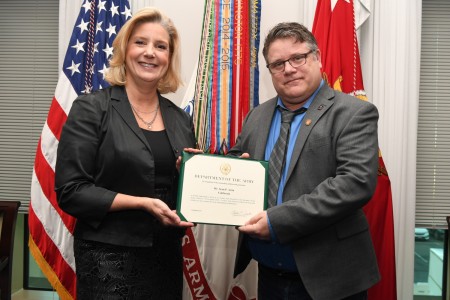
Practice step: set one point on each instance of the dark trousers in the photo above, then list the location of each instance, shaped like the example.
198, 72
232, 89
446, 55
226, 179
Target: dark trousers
275, 285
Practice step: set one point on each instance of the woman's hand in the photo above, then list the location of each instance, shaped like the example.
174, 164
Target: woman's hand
164, 214
154, 206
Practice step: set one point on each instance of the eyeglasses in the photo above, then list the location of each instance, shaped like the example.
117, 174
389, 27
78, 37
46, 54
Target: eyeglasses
295, 61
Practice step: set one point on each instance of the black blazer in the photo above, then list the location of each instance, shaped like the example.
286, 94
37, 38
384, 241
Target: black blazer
102, 152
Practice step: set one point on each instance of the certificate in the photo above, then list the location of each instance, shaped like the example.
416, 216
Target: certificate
215, 189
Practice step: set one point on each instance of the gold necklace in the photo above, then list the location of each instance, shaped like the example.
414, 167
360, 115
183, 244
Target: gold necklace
148, 124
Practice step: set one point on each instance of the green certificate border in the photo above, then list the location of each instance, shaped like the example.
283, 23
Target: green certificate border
223, 175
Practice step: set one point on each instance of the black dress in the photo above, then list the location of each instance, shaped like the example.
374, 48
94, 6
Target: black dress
106, 271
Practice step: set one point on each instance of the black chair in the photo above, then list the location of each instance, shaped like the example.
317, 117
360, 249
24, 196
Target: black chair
8, 216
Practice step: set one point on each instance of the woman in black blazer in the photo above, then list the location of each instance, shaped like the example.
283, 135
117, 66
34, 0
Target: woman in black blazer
116, 169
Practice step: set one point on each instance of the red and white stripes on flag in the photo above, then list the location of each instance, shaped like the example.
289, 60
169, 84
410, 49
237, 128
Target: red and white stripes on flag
51, 230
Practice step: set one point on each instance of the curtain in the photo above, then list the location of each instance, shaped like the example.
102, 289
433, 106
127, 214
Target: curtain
390, 51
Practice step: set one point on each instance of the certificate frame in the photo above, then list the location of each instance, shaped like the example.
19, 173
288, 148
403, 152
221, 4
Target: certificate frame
221, 190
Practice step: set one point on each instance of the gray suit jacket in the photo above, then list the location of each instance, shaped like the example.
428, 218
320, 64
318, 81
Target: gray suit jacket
331, 176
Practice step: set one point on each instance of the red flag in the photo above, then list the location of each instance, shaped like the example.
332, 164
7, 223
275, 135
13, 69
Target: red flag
381, 221
335, 32
321, 25
51, 230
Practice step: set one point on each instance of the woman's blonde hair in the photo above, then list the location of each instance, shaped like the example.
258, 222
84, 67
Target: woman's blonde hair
117, 71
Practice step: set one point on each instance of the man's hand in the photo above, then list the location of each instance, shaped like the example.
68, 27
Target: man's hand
189, 150
257, 226
244, 155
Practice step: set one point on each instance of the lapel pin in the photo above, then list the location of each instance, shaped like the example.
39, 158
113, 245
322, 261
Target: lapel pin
321, 106
308, 122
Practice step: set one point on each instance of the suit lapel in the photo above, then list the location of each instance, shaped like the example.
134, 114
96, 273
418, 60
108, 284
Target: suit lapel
169, 121
263, 128
322, 102
121, 104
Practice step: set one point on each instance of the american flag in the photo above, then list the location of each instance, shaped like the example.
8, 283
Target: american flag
86, 60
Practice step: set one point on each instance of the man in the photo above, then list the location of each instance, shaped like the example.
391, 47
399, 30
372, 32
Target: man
314, 242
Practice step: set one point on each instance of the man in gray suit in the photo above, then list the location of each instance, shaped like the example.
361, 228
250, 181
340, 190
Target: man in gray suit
314, 242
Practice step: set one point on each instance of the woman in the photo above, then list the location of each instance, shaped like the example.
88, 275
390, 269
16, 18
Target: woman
116, 169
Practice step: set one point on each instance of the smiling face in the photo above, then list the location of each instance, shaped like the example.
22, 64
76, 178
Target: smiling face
147, 54
294, 85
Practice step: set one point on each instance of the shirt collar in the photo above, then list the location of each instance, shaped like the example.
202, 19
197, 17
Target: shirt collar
308, 102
